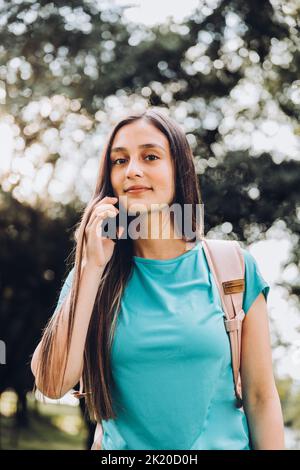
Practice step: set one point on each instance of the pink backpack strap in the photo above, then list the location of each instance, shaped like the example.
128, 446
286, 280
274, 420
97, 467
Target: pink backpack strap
226, 263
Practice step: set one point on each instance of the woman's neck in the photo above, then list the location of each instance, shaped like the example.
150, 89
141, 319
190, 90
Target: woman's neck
157, 237
161, 249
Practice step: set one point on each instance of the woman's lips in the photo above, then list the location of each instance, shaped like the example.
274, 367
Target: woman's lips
138, 190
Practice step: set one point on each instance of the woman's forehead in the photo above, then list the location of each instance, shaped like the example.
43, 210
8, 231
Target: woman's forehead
139, 133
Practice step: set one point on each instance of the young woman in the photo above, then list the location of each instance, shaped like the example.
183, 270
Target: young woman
140, 319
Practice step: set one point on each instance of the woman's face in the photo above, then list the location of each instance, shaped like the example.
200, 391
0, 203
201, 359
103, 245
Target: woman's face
139, 163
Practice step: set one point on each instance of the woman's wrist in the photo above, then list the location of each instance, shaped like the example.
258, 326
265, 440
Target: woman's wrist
90, 265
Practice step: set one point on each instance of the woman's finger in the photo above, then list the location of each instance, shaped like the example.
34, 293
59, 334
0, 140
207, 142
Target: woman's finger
99, 223
98, 212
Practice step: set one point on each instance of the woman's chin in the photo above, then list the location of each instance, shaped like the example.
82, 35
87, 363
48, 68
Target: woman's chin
144, 207
138, 207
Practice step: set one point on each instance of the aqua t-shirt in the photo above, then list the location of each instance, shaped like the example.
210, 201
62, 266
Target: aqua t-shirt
171, 359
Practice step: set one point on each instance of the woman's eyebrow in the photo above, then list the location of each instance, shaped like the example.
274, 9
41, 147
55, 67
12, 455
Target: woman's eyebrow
150, 145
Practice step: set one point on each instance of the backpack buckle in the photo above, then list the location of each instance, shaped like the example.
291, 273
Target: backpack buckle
234, 323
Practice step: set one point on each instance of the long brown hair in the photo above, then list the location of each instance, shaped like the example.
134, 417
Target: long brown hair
97, 374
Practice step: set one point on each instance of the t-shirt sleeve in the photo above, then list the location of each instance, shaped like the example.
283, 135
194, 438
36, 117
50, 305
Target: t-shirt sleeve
65, 289
254, 281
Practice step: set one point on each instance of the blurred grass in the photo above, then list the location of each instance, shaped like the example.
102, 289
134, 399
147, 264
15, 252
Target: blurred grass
50, 427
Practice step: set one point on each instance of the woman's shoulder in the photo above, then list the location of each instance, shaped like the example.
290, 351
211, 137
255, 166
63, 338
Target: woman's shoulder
254, 280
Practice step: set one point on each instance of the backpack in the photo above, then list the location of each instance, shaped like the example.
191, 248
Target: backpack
226, 263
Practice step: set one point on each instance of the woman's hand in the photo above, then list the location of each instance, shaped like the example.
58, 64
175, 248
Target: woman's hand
98, 249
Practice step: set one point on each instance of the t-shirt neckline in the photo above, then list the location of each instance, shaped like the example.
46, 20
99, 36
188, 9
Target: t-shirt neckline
139, 259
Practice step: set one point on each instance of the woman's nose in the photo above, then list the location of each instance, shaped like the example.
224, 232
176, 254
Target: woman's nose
134, 168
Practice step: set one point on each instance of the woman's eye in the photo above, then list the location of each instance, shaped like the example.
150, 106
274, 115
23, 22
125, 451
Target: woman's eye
115, 162
151, 155
118, 159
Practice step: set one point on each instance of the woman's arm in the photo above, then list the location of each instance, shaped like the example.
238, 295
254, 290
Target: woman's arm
88, 287
260, 396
